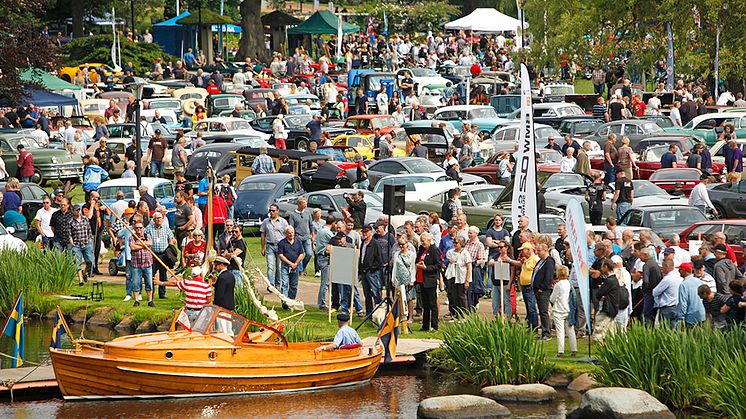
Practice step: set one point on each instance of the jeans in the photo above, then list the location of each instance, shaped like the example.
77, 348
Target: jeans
529, 299
371, 281
289, 284
505, 302
648, 309
128, 282
621, 209
598, 89
542, 301
505, 181
344, 305
231, 212
142, 273
83, 254
363, 184
322, 262
59, 246
239, 278
273, 270
26, 178
670, 314
160, 269
156, 168
609, 173
308, 251
47, 242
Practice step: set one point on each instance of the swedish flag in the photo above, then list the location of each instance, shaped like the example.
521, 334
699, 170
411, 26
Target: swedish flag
59, 329
14, 328
388, 333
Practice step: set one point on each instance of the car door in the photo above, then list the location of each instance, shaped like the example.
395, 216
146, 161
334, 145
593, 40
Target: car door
737, 207
9, 157
324, 203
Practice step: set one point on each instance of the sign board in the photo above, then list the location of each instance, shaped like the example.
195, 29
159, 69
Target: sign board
343, 265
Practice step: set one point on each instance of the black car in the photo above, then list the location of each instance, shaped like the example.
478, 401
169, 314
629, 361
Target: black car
329, 175
220, 157
332, 202
579, 128
32, 196
685, 143
295, 125
256, 193
728, 198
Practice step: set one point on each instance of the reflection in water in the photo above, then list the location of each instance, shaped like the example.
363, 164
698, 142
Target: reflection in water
391, 394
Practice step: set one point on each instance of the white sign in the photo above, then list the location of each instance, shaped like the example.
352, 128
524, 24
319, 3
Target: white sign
575, 223
343, 265
524, 184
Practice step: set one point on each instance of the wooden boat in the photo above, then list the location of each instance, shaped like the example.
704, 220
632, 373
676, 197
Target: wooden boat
218, 357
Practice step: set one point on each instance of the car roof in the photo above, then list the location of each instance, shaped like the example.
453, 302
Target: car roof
273, 177
653, 208
462, 107
433, 175
222, 119
220, 147
549, 105
731, 221
150, 182
400, 159
699, 118
368, 116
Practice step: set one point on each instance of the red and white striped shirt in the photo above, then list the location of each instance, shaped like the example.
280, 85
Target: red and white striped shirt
197, 292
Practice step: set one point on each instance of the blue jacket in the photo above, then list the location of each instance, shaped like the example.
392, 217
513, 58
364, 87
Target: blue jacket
93, 176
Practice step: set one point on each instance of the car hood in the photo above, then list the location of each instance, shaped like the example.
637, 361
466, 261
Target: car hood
254, 204
647, 201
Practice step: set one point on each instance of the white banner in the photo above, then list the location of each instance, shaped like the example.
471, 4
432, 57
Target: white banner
575, 223
339, 36
343, 265
524, 184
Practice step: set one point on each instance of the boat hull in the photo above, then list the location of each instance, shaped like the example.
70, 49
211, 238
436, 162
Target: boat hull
91, 374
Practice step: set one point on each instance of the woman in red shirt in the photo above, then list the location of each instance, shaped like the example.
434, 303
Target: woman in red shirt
194, 251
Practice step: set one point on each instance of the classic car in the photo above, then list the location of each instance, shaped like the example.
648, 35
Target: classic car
729, 198
119, 96
553, 113
413, 183
422, 77
483, 115
32, 196
118, 147
506, 138
220, 156
402, 165
734, 230
664, 220
49, 163
223, 125
455, 73
362, 144
94, 71
663, 121
301, 163
256, 193
685, 143
190, 97
81, 123
667, 179
635, 129
295, 127
215, 104
553, 92
366, 124
579, 128
92, 108
476, 202
302, 99
161, 189
650, 160
260, 96
717, 151
710, 125
436, 139
166, 104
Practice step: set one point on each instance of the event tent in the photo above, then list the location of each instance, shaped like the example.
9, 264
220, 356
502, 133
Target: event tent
322, 22
41, 98
46, 80
485, 20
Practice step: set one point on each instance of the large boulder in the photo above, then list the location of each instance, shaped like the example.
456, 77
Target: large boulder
461, 406
582, 383
558, 380
79, 316
619, 403
525, 393
127, 325
102, 317
146, 327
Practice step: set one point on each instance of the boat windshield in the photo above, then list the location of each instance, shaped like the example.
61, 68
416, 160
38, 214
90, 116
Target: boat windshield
213, 319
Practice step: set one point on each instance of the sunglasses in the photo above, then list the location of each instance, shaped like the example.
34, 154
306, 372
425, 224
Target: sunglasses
139, 228
273, 210
501, 247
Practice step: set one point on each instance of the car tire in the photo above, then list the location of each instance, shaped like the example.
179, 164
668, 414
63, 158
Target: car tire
722, 213
302, 144
38, 178
113, 268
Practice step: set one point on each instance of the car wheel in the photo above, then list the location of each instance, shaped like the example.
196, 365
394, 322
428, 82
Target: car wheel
721, 211
302, 144
113, 268
38, 178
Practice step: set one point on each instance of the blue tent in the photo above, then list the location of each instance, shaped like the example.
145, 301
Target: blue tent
169, 35
41, 98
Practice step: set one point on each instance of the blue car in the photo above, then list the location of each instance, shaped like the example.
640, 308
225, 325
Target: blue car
161, 189
257, 192
483, 115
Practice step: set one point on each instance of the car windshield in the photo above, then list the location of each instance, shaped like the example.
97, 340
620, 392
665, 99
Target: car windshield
227, 102
257, 186
678, 175
164, 129
28, 143
335, 153
407, 181
255, 95
546, 132
586, 127
165, 104
559, 90
237, 125
567, 179
548, 225
383, 122
570, 110
110, 192
297, 121
681, 216
482, 113
423, 72
646, 188
650, 127
374, 82
371, 200
550, 156
356, 141
423, 166
254, 142
461, 71
654, 153
486, 197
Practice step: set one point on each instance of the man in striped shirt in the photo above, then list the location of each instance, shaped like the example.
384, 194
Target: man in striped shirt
197, 292
599, 109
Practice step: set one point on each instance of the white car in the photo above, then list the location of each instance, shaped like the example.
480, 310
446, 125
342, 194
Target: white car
226, 125
423, 77
506, 138
419, 185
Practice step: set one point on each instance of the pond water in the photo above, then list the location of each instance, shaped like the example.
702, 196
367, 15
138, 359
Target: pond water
392, 393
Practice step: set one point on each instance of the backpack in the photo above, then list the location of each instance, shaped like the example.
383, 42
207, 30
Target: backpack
623, 298
225, 193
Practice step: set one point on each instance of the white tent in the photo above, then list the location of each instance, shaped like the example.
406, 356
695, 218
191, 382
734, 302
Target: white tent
485, 20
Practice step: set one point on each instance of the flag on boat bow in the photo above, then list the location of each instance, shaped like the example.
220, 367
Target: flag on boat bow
59, 329
388, 333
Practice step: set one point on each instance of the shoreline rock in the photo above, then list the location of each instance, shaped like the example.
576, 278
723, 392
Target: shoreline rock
619, 403
102, 317
126, 325
583, 383
145, 327
461, 406
524, 393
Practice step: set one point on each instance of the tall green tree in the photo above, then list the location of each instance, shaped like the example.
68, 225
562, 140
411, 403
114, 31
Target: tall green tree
251, 44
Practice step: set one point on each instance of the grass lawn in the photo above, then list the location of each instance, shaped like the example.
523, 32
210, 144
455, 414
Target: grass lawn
583, 86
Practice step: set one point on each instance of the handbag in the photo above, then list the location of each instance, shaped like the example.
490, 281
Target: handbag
170, 256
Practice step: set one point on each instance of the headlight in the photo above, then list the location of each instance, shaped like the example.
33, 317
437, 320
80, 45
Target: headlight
54, 159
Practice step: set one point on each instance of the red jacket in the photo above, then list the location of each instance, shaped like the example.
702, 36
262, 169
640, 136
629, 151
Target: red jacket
219, 211
25, 162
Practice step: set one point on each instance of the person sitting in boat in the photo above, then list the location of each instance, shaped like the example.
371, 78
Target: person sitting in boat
345, 336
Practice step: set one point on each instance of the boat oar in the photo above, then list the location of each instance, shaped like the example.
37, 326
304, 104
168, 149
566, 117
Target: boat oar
142, 243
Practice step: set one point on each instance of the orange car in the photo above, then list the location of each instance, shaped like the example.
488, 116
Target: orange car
365, 124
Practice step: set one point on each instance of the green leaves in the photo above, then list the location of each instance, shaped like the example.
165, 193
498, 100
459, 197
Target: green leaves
491, 352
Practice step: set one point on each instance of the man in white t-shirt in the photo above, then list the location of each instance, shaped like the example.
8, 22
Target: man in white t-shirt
120, 205
41, 221
382, 102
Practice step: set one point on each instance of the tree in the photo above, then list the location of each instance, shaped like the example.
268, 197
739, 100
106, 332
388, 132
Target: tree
251, 44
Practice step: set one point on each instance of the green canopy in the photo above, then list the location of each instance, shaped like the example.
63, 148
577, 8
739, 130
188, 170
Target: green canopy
46, 80
208, 18
322, 22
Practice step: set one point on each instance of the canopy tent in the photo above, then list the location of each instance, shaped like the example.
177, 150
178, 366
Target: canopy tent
204, 22
485, 20
46, 80
41, 98
276, 24
322, 22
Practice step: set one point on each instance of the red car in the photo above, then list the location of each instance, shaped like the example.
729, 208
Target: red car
650, 161
668, 178
735, 232
548, 162
365, 124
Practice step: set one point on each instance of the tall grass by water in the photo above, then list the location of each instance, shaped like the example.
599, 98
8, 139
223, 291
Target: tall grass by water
699, 369
36, 273
490, 352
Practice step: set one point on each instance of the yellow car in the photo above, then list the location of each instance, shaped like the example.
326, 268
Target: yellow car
363, 144
69, 73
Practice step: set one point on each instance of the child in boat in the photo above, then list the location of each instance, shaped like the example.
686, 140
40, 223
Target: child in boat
345, 335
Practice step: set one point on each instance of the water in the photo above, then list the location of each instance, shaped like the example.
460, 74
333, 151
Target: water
392, 393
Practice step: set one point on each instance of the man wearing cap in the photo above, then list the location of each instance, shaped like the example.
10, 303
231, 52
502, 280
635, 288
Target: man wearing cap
291, 254
224, 285
624, 194
700, 272
197, 292
725, 270
59, 195
157, 148
699, 196
369, 270
691, 309
81, 241
666, 293
527, 262
345, 335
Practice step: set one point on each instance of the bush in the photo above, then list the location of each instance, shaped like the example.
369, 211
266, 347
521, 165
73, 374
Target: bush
97, 49
36, 273
684, 368
491, 352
